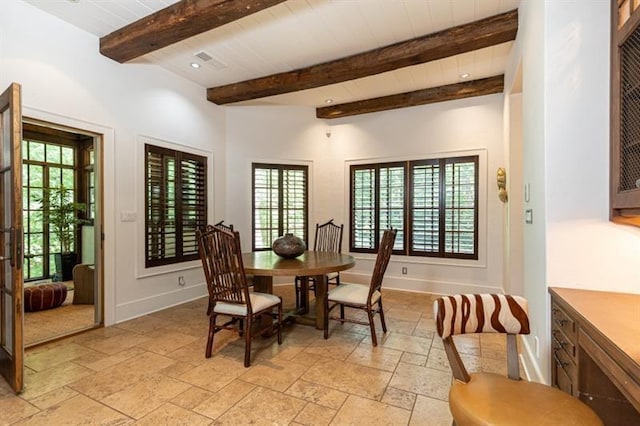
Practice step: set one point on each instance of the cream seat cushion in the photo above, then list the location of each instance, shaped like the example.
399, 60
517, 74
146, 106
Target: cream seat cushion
490, 399
354, 294
259, 302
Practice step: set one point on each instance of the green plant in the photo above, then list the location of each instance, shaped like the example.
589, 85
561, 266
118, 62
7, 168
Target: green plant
61, 214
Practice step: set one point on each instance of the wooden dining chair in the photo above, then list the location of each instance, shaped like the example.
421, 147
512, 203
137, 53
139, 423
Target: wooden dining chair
229, 294
493, 399
328, 237
358, 296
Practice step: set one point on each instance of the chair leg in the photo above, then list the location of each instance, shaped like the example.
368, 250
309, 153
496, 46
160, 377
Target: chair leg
209, 308
372, 326
326, 318
212, 330
280, 323
342, 313
240, 326
384, 324
247, 342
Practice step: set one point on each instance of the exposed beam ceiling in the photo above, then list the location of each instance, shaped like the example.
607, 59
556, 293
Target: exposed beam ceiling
176, 23
467, 89
453, 41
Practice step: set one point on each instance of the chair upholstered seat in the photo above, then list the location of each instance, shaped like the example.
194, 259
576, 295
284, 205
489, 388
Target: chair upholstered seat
354, 294
259, 302
491, 399
364, 297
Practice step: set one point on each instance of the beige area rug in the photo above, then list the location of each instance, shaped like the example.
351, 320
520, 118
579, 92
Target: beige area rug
49, 324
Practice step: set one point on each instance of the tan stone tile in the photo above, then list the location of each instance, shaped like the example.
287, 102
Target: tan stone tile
275, 374
263, 407
192, 353
313, 415
55, 355
172, 415
76, 411
399, 398
349, 377
376, 357
467, 343
358, 411
164, 342
191, 398
214, 374
426, 327
98, 361
14, 408
144, 324
317, 394
412, 344
41, 382
119, 377
414, 359
430, 412
177, 369
145, 395
53, 398
219, 402
114, 344
493, 345
308, 359
421, 380
338, 345
402, 314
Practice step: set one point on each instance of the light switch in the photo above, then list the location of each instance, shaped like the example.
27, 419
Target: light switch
528, 216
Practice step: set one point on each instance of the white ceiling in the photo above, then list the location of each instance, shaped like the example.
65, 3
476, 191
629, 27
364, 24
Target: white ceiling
300, 33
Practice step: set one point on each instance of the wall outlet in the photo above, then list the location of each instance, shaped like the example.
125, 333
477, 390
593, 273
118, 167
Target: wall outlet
404, 270
181, 281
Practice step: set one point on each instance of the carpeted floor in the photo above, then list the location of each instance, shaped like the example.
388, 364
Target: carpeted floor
52, 323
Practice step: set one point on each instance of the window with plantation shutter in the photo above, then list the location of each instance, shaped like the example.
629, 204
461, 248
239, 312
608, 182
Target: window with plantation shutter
279, 203
433, 203
176, 204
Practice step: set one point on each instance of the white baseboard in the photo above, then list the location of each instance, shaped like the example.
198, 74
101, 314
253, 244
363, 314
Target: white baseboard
158, 302
421, 286
529, 364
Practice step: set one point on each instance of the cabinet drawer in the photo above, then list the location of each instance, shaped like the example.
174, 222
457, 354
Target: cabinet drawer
564, 322
560, 341
565, 363
562, 380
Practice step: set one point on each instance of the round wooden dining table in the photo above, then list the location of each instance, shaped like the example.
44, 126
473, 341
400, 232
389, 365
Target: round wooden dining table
264, 265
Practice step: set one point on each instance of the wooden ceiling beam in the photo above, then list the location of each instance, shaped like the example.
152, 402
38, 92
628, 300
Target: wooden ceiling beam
467, 89
176, 23
453, 41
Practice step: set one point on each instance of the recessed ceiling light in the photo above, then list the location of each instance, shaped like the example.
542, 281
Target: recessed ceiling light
195, 65
465, 75
328, 101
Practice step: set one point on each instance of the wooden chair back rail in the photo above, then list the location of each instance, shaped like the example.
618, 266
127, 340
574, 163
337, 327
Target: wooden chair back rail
328, 237
382, 261
221, 256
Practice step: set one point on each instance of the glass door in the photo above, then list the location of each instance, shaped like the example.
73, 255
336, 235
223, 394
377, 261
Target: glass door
11, 238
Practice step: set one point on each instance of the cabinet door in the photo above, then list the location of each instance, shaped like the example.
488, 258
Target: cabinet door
625, 111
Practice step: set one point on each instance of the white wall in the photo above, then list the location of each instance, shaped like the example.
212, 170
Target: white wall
62, 74
564, 48
585, 249
278, 134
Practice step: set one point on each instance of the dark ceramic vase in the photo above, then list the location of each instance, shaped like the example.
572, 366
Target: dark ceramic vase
289, 246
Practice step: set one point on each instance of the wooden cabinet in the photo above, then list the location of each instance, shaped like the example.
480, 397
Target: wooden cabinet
595, 351
625, 111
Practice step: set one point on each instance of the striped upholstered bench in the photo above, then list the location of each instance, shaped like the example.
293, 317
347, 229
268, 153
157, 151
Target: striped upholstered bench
44, 296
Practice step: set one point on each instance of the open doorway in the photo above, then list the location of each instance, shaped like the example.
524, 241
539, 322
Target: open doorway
61, 209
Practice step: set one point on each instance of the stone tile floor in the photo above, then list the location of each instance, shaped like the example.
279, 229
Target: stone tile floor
152, 371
